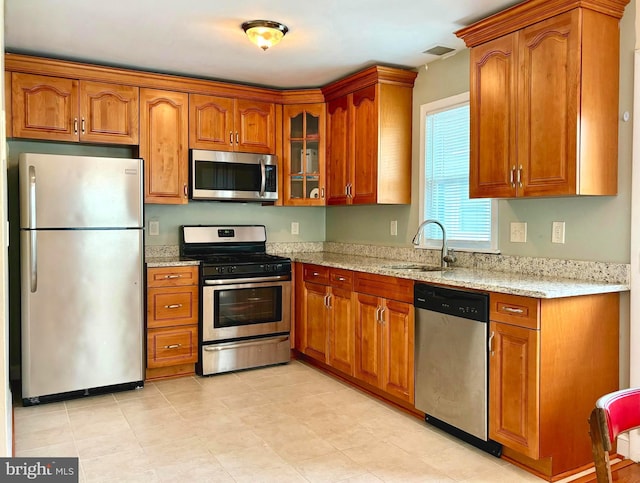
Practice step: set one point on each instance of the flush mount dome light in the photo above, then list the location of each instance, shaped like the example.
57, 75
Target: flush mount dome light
264, 33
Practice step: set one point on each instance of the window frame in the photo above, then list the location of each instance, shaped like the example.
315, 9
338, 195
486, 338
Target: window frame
436, 243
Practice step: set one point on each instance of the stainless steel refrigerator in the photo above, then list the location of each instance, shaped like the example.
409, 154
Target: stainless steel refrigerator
81, 250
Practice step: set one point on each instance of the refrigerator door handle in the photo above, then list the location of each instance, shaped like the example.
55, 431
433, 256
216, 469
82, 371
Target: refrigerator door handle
33, 261
32, 197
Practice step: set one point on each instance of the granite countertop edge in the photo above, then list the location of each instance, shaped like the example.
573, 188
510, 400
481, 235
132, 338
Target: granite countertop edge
460, 277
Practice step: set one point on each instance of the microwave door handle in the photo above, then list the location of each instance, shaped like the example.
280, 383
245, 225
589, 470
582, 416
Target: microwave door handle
263, 173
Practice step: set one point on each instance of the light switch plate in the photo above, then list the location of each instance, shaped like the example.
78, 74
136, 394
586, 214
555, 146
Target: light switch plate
393, 228
557, 232
295, 228
518, 232
154, 228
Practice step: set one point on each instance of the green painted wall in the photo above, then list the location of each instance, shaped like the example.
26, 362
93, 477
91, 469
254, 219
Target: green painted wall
597, 228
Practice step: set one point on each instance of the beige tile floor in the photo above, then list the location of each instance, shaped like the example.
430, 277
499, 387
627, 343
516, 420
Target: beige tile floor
288, 423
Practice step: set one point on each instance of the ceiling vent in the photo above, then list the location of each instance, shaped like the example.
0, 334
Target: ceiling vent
439, 50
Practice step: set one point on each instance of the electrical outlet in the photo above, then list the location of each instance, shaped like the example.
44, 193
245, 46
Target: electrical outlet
518, 232
393, 228
154, 228
295, 228
557, 232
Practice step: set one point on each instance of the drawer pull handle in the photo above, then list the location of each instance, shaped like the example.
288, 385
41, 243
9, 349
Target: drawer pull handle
340, 279
513, 310
173, 306
493, 334
173, 346
315, 274
172, 276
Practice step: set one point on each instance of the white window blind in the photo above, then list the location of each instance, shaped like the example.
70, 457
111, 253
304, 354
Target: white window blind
445, 186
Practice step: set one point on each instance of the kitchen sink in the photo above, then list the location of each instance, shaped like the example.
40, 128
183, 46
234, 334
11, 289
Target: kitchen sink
416, 267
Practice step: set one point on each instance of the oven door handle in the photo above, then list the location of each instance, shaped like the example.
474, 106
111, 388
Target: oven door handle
232, 281
234, 345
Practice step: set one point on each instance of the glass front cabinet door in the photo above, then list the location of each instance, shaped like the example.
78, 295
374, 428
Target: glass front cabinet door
303, 167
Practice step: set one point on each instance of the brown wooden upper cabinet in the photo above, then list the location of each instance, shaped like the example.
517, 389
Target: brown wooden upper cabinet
544, 100
369, 137
164, 120
226, 124
303, 160
61, 109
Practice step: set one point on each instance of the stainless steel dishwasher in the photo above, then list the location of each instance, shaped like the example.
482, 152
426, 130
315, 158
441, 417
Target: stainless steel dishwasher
451, 362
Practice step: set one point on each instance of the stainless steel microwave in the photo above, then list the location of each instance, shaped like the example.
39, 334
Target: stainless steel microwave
226, 176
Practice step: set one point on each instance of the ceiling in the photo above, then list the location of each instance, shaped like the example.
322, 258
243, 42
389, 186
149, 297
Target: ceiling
202, 38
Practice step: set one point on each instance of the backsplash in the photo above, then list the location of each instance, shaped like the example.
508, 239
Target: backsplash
547, 267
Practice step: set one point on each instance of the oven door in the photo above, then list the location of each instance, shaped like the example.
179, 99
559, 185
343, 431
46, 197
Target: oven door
242, 308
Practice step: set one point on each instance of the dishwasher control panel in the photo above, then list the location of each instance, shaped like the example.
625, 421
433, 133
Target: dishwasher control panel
469, 305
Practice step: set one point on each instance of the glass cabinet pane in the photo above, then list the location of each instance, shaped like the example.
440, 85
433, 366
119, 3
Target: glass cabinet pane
312, 125
312, 188
297, 126
297, 187
312, 157
296, 157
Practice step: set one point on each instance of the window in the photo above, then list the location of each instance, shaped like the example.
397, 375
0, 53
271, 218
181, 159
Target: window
444, 182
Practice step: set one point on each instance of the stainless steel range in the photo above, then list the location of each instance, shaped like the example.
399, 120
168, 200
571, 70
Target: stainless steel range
245, 299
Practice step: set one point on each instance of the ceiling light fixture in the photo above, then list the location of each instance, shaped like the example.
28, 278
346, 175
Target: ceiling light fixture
264, 33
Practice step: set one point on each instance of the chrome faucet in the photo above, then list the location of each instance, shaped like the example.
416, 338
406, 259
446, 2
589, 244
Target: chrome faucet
446, 254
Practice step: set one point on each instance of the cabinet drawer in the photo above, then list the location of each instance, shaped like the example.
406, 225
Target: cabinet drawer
172, 306
392, 288
341, 278
172, 276
168, 347
514, 309
316, 274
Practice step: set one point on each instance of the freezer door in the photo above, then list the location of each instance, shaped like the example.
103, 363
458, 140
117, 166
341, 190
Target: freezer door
82, 310
78, 192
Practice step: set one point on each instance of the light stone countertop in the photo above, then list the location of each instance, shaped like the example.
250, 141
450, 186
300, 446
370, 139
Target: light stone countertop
492, 281
169, 261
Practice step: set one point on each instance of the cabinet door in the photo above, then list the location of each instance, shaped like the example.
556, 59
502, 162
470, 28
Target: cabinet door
514, 388
398, 366
211, 121
108, 113
493, 163
368, 367
549, 105
303, 160
338, 153
364, 140
341, 331
255, 124
44, 107
163, 145
315, 317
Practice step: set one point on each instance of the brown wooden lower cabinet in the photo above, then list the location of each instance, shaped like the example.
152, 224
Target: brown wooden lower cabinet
364, 335
550, 359
172, 321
